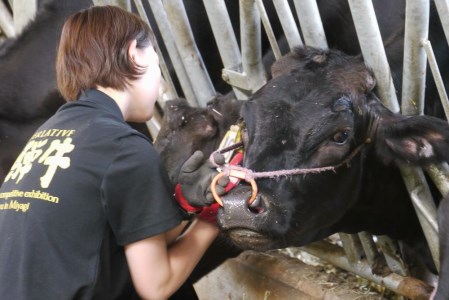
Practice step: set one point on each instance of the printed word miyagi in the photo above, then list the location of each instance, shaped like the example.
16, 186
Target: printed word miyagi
15, 205
53, 132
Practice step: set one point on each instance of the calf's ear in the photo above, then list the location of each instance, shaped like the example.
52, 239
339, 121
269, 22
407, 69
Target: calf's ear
412, 140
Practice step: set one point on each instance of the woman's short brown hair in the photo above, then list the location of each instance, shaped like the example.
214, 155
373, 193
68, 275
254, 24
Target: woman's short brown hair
93, 50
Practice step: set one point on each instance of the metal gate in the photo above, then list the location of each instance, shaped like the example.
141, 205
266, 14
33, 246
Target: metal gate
244, 71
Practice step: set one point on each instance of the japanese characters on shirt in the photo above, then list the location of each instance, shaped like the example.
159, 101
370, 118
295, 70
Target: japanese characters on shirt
50, 148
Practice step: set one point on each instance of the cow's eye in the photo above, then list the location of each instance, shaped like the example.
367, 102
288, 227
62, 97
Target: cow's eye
342, 136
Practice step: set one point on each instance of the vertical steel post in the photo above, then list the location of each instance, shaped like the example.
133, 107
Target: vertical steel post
251, 44
415, 63
164, 27
373, 51
437, 77
23, 12
375, 57
268, 29
288, 23
225, 38
188, 51
171, 90
125, 4
311, 25
415, 60
6, 21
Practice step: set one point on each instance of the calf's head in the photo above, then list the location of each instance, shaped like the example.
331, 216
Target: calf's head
186, 129
316, 110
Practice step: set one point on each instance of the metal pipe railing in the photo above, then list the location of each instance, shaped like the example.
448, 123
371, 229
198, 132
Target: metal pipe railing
352, 246
170, 87
311, 25
189, 53
23, 12
414, 76
415, 60
288, 23
6, 21
250, 34
373, 51
390, 250
125, 4
268, 29
225, 38
374, 258
437, 77
375, 57
440, 176
165, 29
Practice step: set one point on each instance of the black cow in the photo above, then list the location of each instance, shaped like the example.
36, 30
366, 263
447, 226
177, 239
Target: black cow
314, 115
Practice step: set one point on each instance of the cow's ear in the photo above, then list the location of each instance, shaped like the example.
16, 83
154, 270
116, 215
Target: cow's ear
413, 140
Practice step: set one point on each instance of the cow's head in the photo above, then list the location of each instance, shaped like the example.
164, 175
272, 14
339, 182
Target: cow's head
316, 110
186, 129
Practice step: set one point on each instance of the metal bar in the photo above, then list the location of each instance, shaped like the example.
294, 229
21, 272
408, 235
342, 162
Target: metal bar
352, 246
170, 87
416, 30
251, 45
23, 12
375, 57
311, 25
415, 60
101, 2
437, 77
429, 212
443, 12
165, 29
373, 51
375, 260
125, 4
440, 176
407, 286
225, 38
188, 51
268, 29
392, 255
288, 23
6, 21
425, 207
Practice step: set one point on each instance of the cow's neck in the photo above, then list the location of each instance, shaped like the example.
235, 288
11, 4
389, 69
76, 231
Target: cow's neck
384, 206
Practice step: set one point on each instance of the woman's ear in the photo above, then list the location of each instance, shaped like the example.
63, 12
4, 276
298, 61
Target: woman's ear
132, 50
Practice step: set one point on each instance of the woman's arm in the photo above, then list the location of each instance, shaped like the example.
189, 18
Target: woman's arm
158, 270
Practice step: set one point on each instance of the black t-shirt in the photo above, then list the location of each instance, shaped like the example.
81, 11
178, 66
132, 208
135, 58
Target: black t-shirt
85, 185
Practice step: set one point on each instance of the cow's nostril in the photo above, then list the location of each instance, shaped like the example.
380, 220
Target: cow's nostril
257, 206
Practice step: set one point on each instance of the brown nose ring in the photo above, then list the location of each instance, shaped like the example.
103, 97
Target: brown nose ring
237, 174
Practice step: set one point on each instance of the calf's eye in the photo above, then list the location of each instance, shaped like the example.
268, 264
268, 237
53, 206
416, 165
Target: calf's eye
342, 136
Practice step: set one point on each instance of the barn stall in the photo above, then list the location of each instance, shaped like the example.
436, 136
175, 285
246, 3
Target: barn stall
243, 69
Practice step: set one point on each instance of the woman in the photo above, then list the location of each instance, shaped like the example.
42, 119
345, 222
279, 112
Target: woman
86, 211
